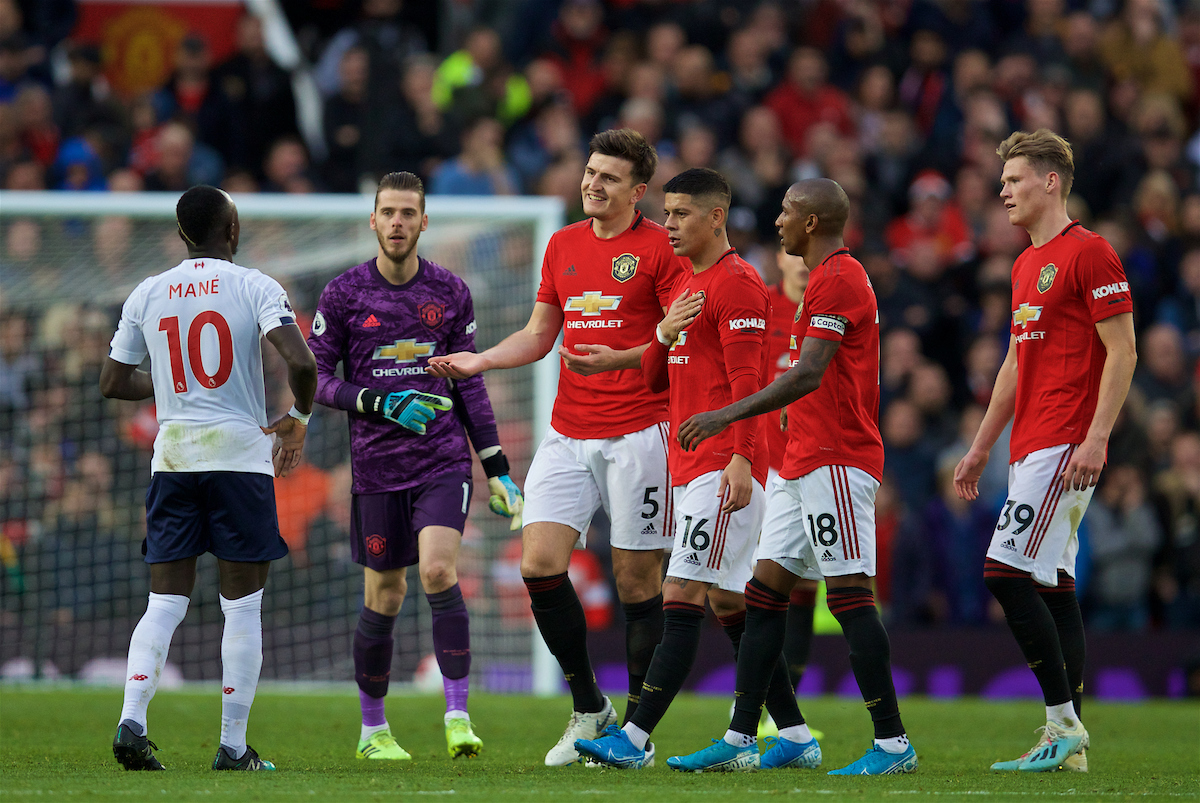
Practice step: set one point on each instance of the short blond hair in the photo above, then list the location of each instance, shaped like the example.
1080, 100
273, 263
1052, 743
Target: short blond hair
1045, 151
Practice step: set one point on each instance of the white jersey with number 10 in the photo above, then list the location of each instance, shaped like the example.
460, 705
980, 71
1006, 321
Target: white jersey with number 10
201, 324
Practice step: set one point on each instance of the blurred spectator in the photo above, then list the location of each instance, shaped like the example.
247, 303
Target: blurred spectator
287, 167
476, 81
1134, 46
258, 90
693, 97
552, 135
746, 64
18, 365
697, 146
933, 220
481, 168
908, 453
420, 135
1111, 174
25, 175
561, 180
345, 113
192, 95
1181, 309
181, 162
14, 65
575, 46
35, 123
925, 85
805, 98
1177, 566
862, 44
125, 180
1039, 36
1081, 41
1123, 537
757, 168
78, 167
1162, 373
386, 38
85, 101
929, 391
876, 95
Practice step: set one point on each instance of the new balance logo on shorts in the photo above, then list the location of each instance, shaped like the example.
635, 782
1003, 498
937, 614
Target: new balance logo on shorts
649, 529
693, 559
827, 555
1010, 544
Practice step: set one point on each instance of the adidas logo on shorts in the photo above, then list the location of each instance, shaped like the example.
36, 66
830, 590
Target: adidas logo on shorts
693, 559
1010, 544
649, 529
827, 555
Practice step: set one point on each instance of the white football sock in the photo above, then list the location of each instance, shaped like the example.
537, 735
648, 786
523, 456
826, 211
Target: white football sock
148, 649
636, 735
796, 733
1063, 714
367, 731
739, 739
241, 662
894, 745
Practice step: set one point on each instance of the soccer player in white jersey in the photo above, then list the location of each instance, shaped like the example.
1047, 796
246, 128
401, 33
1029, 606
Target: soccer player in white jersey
211, 488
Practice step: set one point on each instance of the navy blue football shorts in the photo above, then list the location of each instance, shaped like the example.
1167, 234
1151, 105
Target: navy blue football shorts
228, 513
384, 527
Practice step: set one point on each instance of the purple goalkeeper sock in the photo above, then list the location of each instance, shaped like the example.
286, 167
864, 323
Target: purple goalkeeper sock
373, 644
372, 710
457, 690
451, 637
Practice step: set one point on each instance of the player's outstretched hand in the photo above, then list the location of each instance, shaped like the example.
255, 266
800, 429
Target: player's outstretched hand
1083, 470
592, 359
701, 427
680, 314
460, 365
736, 484
289, 444
412, 409
967, 474
506, 499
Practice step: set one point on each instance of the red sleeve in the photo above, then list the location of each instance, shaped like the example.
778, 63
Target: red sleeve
547, 293
742, 311
1102, 281
668, 277
654, 366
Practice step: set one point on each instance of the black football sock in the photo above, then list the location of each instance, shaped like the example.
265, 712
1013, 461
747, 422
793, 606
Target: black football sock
1032, 625
781, 698
870, 655
559, 616
758, 654
673, 659
798, 641
643, 632
1064, 607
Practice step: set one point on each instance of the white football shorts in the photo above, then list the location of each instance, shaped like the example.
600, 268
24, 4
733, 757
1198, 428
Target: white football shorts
822, 524
570, 479
1037, 529
711, 546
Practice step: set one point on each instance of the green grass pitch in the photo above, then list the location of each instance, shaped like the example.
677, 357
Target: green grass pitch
55, 744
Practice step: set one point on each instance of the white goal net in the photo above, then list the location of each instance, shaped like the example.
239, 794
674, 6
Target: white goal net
74, 466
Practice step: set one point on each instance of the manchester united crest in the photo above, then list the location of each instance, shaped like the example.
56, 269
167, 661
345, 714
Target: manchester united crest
1046, 277
376, 544
431, 313
624, 267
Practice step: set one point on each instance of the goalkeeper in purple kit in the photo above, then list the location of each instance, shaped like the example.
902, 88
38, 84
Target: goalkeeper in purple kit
382, 320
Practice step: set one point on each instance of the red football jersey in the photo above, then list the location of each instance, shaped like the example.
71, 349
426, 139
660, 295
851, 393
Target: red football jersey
779, 356
729, 334
1060, 292
611, 292
838, 423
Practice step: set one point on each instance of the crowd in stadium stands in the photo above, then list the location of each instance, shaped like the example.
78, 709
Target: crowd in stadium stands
903, 102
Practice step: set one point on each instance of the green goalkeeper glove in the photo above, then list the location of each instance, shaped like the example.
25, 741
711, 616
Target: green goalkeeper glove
506, 499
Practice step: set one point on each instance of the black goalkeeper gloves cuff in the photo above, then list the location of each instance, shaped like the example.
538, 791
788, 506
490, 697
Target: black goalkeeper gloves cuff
495, 465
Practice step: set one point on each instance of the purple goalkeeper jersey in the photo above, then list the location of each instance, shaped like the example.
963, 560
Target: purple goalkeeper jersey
384, 334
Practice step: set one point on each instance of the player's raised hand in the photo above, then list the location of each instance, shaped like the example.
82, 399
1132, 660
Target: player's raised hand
506, 499
412, 409
1083, 470
288, 447
680, 314
701, 427
967, 474
737, 484
591, 359
460, 365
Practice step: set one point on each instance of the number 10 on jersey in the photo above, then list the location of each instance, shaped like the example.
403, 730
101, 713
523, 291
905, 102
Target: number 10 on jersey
214, 380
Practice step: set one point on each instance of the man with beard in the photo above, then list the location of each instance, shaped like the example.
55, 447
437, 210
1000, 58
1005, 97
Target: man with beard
383, 320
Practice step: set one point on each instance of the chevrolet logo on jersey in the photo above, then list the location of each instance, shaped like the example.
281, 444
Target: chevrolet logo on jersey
624, 266
679, 341
1025, 313
592, 303
403, 351
792, 344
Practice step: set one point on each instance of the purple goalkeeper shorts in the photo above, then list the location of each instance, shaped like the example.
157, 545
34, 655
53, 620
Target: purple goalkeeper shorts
384, 527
